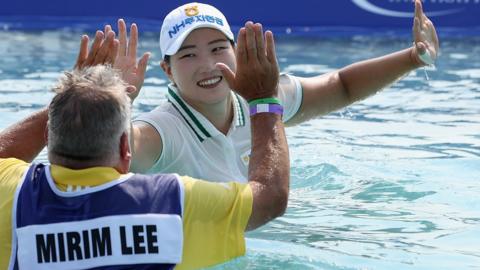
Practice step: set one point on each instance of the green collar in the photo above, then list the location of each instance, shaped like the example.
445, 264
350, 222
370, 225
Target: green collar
200, 125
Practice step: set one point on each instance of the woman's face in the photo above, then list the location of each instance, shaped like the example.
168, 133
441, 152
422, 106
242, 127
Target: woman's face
192, 69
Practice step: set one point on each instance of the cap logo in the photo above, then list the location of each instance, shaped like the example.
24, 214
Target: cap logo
176, 28
191, 11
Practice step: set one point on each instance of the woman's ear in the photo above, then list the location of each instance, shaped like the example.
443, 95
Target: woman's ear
168, 70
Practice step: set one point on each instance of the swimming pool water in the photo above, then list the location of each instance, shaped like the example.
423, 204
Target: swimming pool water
391, 182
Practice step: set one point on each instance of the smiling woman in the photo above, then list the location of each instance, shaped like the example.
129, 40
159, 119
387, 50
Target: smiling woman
389, 183
193, 58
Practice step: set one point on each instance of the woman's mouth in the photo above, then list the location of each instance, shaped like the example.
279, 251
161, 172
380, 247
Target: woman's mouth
210, 82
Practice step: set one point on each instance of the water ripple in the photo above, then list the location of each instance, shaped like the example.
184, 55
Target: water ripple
391, 182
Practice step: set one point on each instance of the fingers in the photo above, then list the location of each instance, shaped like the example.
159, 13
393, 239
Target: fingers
433, 35
142, 65
122, 36
418, 21
113, 51
241, 49
227, 74
253, 47
419, 11
271, 54
106, 50
437, 42
257, 69
260, 42
127, 47
97, 42
132, 42
417, 31
107, 29
424, 32
103, 50
256, 44
83, 53
251, 43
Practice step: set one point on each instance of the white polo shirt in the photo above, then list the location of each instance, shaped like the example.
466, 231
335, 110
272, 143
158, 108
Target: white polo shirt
193, 146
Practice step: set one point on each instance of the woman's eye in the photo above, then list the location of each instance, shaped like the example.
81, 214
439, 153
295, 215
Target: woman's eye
217, 49
187, 55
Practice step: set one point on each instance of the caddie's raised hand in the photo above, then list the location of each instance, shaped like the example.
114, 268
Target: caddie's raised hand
425, 36
257, 70
133, 72
103, 50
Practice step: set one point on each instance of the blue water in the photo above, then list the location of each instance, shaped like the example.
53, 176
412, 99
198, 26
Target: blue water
392, 182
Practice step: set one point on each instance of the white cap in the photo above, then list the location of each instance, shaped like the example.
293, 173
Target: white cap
183, 20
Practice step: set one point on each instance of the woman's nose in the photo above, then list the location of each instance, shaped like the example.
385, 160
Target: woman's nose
208, 64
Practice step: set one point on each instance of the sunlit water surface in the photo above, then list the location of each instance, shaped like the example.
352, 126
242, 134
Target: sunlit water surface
392, 182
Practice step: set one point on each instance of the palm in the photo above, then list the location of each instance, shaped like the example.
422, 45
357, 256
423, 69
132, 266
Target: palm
133, 72
424, 33
129, 69
257, 73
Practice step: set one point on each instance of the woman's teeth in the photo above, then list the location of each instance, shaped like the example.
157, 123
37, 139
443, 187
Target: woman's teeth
209, 82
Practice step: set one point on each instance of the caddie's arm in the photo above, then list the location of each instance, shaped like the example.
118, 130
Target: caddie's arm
329, 92
255, 80
26, 138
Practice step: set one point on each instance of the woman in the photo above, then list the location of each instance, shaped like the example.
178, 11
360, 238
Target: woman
203, 130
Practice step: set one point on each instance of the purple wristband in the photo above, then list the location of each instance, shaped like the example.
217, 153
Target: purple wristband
266, 108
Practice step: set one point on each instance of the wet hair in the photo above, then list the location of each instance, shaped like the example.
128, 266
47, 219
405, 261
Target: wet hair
88, 116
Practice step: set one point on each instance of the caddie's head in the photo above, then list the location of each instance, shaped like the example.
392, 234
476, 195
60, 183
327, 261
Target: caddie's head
89, 120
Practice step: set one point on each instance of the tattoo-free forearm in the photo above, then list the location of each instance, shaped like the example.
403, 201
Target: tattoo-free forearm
365, 78
269, 169
25, 139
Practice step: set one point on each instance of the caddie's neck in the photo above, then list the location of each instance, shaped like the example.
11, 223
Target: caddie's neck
119, 161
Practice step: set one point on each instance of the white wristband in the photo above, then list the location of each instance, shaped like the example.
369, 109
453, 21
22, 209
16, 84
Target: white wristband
426, 58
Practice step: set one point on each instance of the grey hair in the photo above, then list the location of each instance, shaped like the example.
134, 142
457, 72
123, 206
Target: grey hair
88, 116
